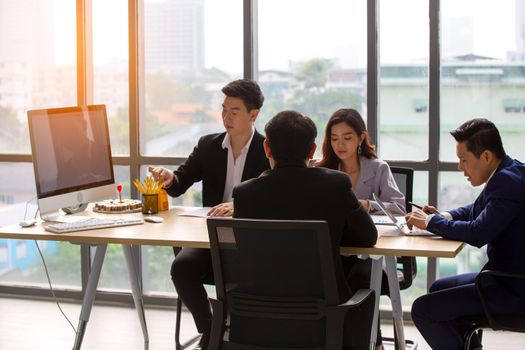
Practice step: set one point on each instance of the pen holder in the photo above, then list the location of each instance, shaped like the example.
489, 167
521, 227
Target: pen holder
163, 201
150, 203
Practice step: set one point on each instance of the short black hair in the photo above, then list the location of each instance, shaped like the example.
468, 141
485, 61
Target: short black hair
247, 90
290, 136
480, 134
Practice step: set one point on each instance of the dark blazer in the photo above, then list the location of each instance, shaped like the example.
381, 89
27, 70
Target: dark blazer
495, 219
208, 163
295, 192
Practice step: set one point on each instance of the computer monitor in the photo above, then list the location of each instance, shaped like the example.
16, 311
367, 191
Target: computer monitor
71, 158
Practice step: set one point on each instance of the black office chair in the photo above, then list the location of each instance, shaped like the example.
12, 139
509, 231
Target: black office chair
276, 287
406, 265
178, 346
513, 323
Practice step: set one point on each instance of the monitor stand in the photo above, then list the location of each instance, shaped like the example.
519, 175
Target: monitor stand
62, 215
75, 209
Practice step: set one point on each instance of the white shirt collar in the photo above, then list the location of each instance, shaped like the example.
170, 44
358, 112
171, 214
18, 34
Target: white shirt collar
227, 144
490, 177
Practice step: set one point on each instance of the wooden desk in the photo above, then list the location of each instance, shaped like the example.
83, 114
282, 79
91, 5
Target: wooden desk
182, 231
178, 231
392, 244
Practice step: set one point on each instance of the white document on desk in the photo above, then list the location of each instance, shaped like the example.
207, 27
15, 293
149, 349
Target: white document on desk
196, 212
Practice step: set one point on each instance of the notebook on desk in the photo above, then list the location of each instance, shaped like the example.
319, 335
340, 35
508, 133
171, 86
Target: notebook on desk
402, 226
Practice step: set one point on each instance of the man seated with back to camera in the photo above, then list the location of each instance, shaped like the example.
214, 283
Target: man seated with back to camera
496, 219
220, 161
293, 191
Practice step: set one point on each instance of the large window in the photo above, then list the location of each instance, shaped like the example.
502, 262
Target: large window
483, 71
37, 64
37, 70
307, 55
403, 92
110, 68
20, 262
312, 58
483, 75
192, 49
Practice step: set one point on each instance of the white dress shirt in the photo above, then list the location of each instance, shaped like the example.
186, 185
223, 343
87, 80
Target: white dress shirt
234, 167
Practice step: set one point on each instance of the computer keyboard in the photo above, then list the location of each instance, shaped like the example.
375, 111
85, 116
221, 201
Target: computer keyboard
92, 224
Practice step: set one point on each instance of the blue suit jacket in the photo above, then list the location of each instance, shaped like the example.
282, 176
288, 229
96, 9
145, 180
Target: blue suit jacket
496, 218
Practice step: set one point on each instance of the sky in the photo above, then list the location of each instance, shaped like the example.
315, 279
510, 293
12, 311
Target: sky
298, 30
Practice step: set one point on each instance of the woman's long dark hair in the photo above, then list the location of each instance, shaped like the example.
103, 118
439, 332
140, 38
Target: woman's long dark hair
354, 120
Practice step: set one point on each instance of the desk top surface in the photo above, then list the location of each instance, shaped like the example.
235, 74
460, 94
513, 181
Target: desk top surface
184, 231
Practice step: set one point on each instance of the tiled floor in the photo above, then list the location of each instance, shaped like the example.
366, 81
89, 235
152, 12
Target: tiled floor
29, 324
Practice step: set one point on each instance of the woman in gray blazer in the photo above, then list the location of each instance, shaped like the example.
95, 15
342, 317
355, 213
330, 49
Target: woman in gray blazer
347, 147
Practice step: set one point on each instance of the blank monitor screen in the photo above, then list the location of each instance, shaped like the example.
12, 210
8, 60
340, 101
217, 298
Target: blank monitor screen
71, 155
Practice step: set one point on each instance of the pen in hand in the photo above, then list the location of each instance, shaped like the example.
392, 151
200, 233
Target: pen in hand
415, 205
427, 209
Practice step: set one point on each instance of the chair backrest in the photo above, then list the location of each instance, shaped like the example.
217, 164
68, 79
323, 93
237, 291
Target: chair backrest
512, 320
404, 178
276, 277
513, 284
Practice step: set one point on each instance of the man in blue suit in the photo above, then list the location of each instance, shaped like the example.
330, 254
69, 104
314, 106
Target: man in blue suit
495, 219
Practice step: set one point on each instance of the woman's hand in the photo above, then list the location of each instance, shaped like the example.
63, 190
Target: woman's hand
366, 204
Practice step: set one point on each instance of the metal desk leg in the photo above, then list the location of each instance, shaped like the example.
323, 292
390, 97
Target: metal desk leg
136, 291
89, 296
375, 284
395, 298
432, 271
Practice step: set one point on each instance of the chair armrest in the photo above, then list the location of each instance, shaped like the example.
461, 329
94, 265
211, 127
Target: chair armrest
409, 270
335, 316
358, 298
484, 275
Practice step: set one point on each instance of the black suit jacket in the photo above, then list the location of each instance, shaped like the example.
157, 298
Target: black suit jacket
295, 192
208, 163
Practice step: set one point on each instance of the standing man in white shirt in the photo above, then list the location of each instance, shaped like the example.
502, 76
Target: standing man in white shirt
220, 161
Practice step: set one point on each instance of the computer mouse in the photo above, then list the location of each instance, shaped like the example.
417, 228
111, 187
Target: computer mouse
27, 222
155, 219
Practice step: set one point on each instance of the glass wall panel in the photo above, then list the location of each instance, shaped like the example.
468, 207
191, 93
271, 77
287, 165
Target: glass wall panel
156, 270
114, 274
157, 260
420, 192
37, 64
403, 85
419, 285
483, 74
20, 262
455, 191
111, 68
312, 58
192, 49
